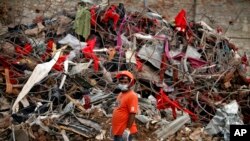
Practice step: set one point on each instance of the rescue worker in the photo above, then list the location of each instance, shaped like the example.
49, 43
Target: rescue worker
123, 119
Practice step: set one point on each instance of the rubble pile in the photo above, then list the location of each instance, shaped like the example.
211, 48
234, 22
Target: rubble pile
57, 79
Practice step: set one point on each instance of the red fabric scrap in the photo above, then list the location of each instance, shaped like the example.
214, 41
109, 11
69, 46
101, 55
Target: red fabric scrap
89, 53
87, 100
4, 62
12, 73
48, 49
196, 63
139, 64
179, 56
59, 63
163, 102
24, 50
93, 15
111, 14
50, 45
180, 20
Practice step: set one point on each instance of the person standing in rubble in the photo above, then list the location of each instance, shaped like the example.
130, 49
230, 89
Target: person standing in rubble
123, 119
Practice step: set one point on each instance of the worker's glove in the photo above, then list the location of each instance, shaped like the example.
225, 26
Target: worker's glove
126, 134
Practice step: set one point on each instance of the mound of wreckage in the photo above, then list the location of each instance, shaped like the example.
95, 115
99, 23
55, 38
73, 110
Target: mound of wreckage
57, 79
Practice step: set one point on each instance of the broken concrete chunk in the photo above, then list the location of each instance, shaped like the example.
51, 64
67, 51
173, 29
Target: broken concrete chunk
143, 118
164, 132
35, 31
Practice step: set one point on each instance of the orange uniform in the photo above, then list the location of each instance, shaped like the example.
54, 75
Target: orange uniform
127, 102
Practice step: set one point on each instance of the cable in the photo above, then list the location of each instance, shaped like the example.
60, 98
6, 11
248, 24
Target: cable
197, 100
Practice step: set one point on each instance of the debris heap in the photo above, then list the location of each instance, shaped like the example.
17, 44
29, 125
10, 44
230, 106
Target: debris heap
57, 79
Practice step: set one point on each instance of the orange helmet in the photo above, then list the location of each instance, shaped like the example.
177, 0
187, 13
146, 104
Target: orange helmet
128, 74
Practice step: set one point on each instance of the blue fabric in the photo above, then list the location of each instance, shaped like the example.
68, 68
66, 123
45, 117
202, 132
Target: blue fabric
119, 138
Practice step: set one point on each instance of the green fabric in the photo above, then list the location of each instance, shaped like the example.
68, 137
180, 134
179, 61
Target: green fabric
82, 22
